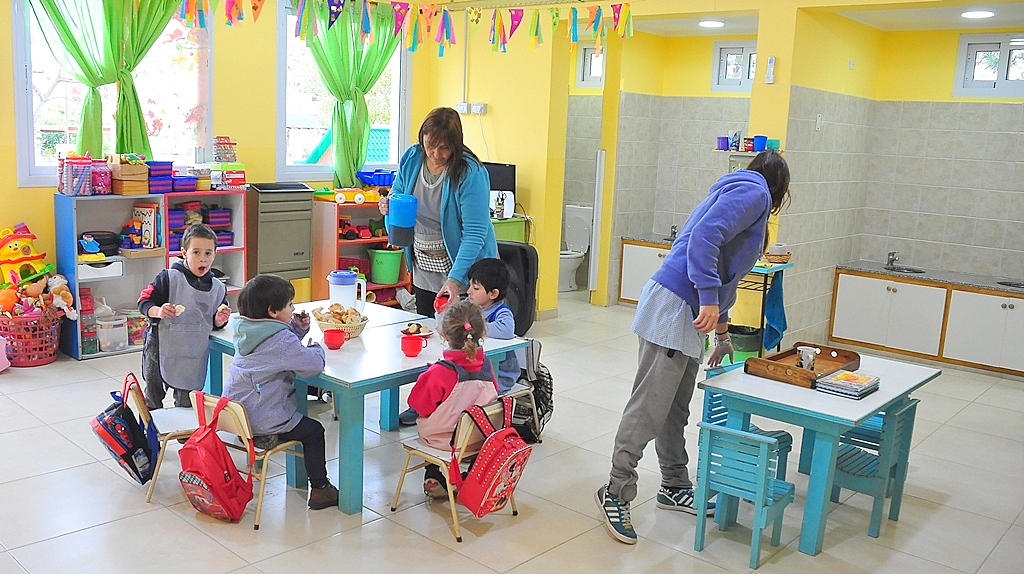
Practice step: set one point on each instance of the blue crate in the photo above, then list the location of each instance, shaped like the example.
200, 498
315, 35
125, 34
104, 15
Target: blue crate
381, 177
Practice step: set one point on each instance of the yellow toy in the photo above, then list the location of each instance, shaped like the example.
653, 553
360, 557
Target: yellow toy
18, 258
350, 195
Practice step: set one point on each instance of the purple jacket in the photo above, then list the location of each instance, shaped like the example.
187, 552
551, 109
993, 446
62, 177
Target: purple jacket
719, 243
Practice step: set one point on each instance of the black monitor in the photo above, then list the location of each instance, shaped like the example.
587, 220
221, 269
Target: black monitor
503, 175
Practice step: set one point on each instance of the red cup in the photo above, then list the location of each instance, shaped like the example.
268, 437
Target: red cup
441, 303
334, 338
412, 345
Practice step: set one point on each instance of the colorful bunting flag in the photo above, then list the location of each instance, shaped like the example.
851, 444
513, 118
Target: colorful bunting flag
515, 16
414, 35
305, 22
445, 32
573, 32
616, 10
499, 39
257, 7
401, 11
334, 8
556, 14
474, 14
428, 15
194, 12
234, 11
625, 26
535, 35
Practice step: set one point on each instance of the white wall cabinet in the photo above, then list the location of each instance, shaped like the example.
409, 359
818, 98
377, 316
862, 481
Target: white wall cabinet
898, 315
985, 329
639, 262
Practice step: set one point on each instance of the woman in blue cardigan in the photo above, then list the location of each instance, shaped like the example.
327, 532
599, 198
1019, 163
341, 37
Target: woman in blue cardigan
453, 222
687, 298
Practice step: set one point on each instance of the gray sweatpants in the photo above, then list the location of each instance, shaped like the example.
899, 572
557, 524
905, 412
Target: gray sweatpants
658, 409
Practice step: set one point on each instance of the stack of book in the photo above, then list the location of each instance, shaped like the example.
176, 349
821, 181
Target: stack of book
847, 384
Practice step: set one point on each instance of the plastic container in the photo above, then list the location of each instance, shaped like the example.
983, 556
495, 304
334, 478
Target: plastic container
745, 338
136, 324
90, 341
401, 219
31, 340
347, 288
379, 177
385, 265
77, 176
760, 143
112, 333
102, 179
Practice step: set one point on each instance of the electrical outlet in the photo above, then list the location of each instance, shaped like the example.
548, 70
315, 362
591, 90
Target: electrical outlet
478, 108
462, 107
817, 123
851, 63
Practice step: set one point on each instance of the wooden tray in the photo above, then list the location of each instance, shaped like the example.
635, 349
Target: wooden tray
782, 366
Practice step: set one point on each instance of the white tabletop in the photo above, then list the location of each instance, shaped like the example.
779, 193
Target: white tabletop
378, 314
896, 379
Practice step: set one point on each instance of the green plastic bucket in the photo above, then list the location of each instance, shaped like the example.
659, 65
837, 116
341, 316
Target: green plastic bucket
384, 265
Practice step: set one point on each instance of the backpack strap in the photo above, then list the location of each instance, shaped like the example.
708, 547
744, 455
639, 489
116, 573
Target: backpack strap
509, 407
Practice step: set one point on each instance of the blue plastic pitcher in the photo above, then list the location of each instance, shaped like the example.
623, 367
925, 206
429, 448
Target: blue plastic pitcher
401, 219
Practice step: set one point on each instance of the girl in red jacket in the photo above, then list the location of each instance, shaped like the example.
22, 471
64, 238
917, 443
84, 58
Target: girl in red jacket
462, 379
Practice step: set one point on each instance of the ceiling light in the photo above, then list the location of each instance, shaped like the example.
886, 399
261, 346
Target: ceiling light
711, 23
1017, 42
975, 14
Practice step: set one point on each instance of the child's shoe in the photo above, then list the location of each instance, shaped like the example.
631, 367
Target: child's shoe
408, 417
434, 489
324, 497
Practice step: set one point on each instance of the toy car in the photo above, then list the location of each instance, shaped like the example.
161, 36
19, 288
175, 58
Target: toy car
349, 195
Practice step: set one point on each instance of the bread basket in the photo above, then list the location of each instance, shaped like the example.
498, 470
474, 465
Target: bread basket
782, 258
351, 329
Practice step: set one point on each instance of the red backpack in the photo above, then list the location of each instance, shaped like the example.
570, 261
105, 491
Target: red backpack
211, 481
493, 476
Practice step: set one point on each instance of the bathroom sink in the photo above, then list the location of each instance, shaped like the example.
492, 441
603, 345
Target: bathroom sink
1017, 284
903, 269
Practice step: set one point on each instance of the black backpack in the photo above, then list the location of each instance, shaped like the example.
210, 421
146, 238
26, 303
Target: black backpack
539, 377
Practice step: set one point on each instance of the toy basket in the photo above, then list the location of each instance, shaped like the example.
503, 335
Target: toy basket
783, 258
363, 265
31, 341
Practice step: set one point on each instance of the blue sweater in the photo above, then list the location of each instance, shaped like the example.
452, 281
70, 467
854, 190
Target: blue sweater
719, 243
465, 212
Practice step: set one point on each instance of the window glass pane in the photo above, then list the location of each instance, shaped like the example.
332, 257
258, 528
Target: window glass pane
734, 66
986, 63
596, 65
1015, 69
752, 67
382, 101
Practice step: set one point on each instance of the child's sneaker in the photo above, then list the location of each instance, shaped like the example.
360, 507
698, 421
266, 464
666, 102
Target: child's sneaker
408, 417
616, 516
434, 489
324, 497
680, 499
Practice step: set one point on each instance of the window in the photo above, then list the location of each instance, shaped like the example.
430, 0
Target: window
173, 83
304, 108
735, 62
990, 65
589, 68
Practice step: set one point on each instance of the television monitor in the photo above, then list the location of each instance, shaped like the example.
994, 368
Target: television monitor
503, 175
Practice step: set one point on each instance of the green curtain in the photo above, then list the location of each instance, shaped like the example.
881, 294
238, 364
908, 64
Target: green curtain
349, 68
101, 42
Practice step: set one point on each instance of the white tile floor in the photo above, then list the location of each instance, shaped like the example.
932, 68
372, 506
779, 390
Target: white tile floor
65, 506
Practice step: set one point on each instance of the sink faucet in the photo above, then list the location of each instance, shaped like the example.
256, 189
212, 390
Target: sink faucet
674, 231
892, 258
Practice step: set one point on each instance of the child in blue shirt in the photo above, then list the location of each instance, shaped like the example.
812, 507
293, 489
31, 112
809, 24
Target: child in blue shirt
488, 283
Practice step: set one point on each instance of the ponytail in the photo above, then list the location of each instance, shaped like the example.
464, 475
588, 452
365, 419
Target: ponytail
463, 326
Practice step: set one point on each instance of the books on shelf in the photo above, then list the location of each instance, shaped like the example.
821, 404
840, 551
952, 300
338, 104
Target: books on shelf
848, 384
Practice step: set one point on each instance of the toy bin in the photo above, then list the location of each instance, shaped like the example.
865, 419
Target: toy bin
225, 238
385, 265
112, 333
379, 177
102, 180
217, 217
363, 265
176, 218
174, 241
183, 183
136, 324
161, 184
31, 340
160, 169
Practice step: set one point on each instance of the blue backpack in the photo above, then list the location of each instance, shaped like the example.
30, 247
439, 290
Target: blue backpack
134, 443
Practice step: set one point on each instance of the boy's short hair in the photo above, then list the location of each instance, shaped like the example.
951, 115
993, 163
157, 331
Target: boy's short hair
263, 293
198, 230
492, 274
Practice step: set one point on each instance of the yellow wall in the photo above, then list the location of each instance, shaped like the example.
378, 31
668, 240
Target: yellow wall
687, 66
643, 64
828, 42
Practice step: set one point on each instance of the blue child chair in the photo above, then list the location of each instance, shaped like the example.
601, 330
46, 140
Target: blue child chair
737, 463
876, 473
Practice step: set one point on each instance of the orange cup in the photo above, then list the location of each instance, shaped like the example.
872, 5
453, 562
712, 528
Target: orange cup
334, 338
412, 345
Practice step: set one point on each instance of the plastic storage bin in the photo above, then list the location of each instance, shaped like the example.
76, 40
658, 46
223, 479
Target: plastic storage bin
381, 177
112, 333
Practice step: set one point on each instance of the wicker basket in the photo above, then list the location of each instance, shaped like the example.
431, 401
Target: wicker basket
31, 341
784, 258
352, 329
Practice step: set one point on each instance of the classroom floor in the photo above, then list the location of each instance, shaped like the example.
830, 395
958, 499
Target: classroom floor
65, 506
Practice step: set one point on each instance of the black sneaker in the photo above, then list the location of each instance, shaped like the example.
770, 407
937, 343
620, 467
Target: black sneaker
616, 516
408, 417
680, 499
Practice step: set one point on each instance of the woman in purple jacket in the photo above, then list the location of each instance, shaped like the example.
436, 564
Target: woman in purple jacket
688, 297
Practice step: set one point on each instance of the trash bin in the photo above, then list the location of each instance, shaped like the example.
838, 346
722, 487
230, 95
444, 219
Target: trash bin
745, 338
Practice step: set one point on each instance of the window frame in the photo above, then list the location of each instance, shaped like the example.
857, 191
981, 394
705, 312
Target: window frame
720, 50
964, 86
584, 77
31, 174
325, 172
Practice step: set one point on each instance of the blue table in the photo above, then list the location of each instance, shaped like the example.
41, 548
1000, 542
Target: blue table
823, 416
371, 362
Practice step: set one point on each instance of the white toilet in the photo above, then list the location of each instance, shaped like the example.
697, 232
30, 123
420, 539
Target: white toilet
579, 220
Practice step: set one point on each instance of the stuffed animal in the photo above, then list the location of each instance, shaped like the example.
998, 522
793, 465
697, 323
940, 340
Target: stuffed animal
8, 299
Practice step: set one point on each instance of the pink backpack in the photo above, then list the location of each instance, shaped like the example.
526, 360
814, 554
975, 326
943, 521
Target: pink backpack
493, 476
211, 481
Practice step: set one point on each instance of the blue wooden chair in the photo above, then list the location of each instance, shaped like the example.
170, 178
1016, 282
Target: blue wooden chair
716, 413
874, 473
737, 463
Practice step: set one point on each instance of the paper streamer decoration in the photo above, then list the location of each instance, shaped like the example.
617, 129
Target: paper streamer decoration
401, 11
556, 14
597, 24
256, 8
535, 35
445, 32
305, 23
365, 29
515, 16
414, 35
625, 26
474, 14
194, 12
573, 31
234, 11
499, 39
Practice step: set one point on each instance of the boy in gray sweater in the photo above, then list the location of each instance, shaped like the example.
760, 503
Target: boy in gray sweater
268, 356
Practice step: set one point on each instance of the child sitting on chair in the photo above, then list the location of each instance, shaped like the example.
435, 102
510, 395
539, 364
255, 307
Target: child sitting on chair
463, 379
488, 283
268, 356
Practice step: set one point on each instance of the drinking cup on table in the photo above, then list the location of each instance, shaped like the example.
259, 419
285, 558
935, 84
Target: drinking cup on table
412, 345
441, 303
334, 338
807, 356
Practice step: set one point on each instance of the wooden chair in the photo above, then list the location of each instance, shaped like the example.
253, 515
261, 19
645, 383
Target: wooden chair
234, 420
716, 413
872, 473
467, 441
741, 464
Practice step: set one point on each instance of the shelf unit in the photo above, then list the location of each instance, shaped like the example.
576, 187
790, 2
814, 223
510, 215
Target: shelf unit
231, 260
328, 245
118, 283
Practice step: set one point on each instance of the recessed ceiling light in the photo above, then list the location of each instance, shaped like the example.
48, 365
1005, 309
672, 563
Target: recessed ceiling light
975, 14
711, 23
